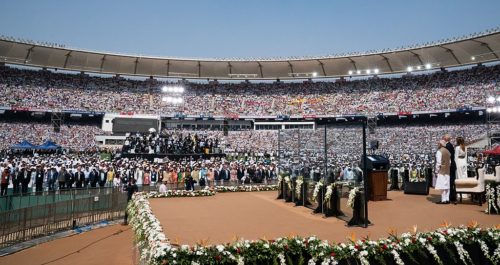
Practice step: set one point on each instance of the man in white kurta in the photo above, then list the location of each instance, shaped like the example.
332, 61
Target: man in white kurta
442, 170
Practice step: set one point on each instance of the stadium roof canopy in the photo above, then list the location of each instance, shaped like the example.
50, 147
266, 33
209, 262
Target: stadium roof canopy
475, 48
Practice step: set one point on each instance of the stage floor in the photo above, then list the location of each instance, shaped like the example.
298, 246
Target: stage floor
252, 215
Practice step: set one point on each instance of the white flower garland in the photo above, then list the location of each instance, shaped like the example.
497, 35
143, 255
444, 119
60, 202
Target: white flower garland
490, 197
246, 188
288, 181
298, 186
464, 255
362, 255
180, 193
316, 189
280, 178
496, 255
282, 259
434, 253
485, 249
498, 197
329, 192
352, 197
397, 258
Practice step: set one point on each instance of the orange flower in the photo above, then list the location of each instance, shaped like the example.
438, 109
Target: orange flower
472, 224
352, 237
415, 229
392, 231
445, 224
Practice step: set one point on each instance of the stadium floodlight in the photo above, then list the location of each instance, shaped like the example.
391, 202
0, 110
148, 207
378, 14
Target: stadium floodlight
491, 99
488, 110
314, 74
350, 72
375, 71
473, 58
419, 67
164, 89
358, 72
409, 69
368, 71
428, 66
181, 89
498, 99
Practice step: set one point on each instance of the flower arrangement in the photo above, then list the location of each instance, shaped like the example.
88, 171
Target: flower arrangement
492, 197
280, 178
352, 197
246, 188
298, 186
156, 249
415, 176
316, 188
329, 192
288, 181
180, 193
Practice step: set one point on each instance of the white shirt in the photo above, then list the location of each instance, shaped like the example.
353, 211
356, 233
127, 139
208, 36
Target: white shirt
438, 162
163, 188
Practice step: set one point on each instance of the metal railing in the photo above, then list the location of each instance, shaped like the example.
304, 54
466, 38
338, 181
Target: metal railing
30, 222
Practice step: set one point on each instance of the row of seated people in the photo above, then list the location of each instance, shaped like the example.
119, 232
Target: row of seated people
23, 88
172, 142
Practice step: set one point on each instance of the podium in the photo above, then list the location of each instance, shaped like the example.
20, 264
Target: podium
377, 181
377, 167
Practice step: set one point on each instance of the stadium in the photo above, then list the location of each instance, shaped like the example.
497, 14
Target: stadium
388, 156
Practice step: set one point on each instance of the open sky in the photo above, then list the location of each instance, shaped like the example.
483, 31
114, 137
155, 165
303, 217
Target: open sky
232, 28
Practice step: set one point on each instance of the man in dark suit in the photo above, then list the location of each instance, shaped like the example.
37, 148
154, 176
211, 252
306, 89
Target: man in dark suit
453, 168
16, 179
79, 178
240, 173
39, 179
24, 177
52, 177
225, 174
69, 179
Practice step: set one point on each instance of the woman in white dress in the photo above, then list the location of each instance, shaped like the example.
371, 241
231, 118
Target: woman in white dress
461, 158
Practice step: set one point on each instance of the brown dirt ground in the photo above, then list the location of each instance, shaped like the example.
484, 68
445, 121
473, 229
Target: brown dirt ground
108, 245
254, 215
227, 216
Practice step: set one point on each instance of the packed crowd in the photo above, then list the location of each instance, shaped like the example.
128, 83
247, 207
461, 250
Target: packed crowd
177, 142
301, 153
76, 137
55, 91
62, 172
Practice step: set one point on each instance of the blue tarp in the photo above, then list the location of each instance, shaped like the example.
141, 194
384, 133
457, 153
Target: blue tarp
48, 145
25, 145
